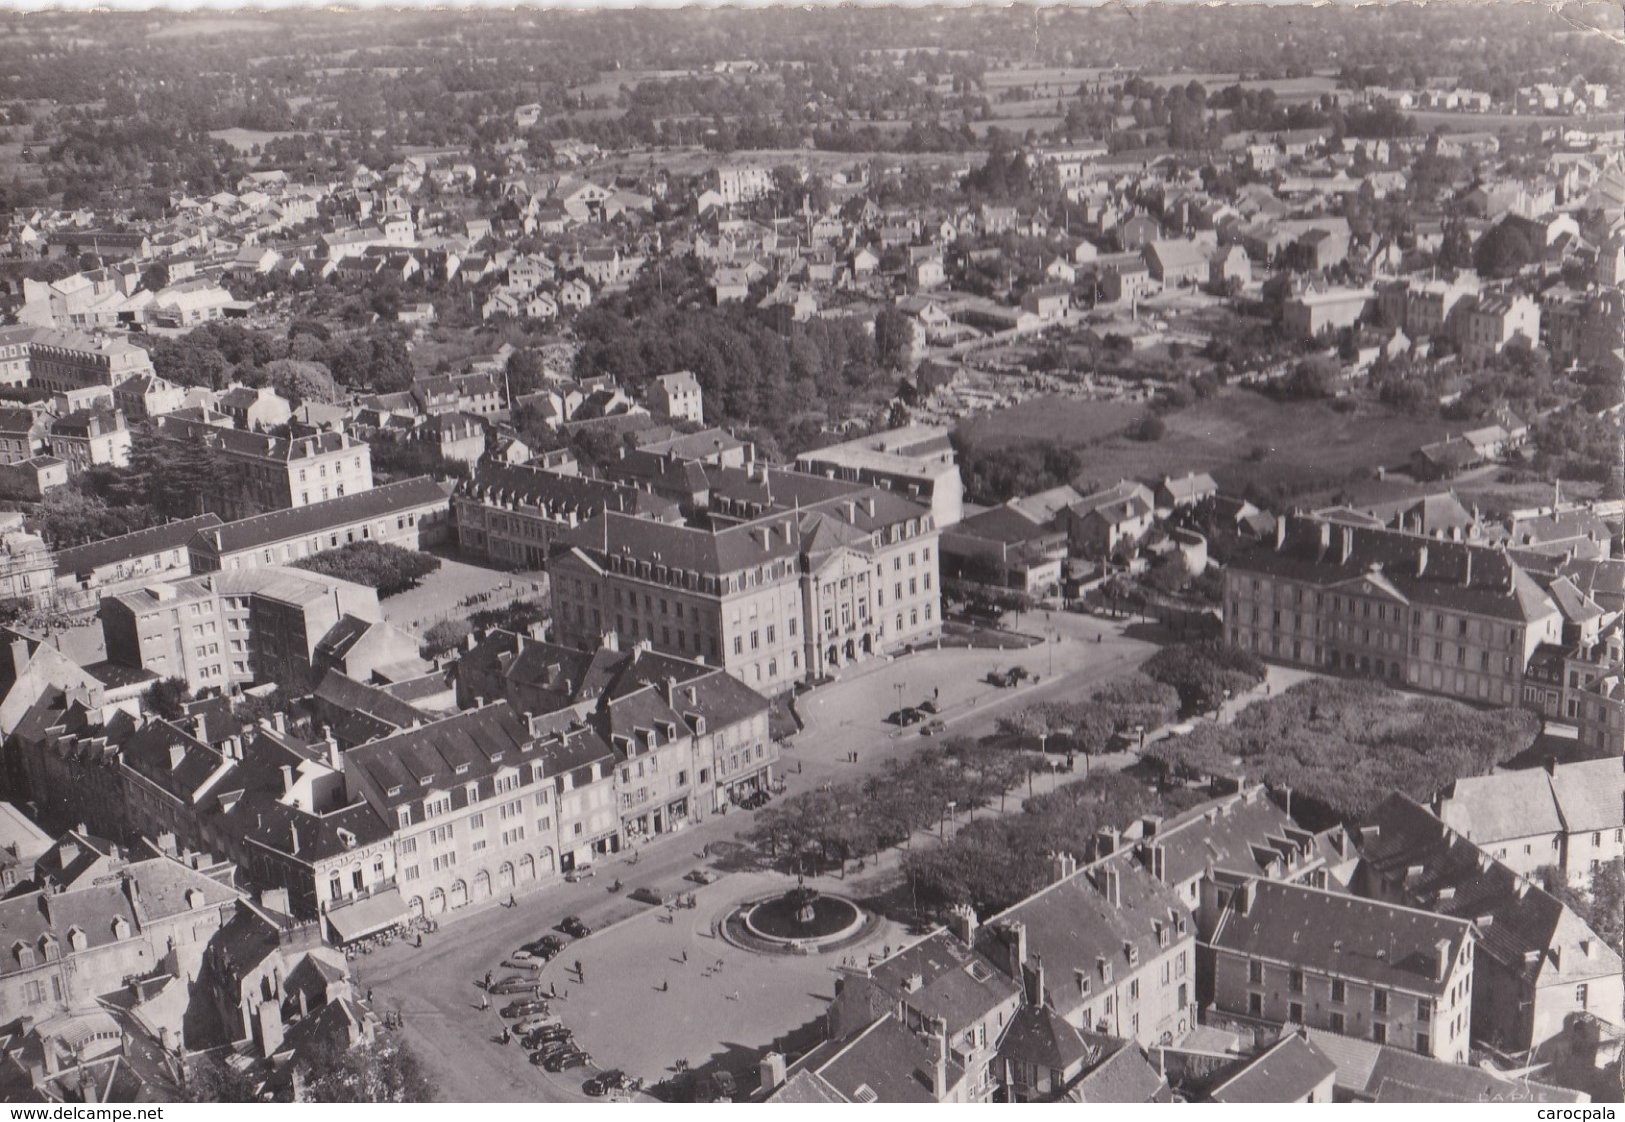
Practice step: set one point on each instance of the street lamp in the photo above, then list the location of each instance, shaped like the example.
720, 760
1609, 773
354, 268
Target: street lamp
898, 686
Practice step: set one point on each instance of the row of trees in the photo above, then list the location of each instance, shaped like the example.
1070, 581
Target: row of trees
993, 863
1118, 707
827, 827
387, 568
1342, 744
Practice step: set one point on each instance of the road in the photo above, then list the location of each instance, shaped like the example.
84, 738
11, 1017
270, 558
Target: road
433, 987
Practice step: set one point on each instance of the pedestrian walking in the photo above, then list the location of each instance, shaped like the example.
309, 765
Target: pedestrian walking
685, 954
665, 985
487, 979
369, 995
553, 988
485, 1001
580, 973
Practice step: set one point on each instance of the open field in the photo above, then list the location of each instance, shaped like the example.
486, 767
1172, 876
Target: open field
246, 140
1018, 125
1299, 445
1429, 119
1067, 421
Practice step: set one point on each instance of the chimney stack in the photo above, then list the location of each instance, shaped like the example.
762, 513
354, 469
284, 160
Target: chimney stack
1348, 544
1422, 560
1035, 982
1280, 532
962, 922
1014, 934
1445, 958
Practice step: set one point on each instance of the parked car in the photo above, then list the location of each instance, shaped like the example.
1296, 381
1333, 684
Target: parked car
540, 950
510, 986
701, 876
934, 727
547, 1034
523, 1009
718, 1087
580, 873
532, 1023
563, 1061
612, 1080
929, 705
647, 895
573, 927
546, 1048
530, 964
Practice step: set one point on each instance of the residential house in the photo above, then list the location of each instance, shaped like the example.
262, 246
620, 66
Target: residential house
1290, 954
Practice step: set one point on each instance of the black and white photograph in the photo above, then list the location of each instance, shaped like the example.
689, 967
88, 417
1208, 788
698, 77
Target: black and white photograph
827, 554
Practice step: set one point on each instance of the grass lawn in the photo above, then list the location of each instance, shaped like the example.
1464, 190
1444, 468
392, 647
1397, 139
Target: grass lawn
1067, 421
1308, 445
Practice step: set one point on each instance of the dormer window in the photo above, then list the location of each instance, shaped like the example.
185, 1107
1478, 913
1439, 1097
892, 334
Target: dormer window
121, 929
1133, 953
77, 939
394, 791
25, 955
48, 949
462, 769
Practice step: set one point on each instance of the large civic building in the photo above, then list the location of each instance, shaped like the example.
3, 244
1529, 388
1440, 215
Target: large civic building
1432, 614
790, 578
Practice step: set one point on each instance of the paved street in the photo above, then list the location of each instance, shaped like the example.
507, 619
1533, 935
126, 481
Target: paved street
434, 987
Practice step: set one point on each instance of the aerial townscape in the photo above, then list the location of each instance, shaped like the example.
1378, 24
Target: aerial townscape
813, 555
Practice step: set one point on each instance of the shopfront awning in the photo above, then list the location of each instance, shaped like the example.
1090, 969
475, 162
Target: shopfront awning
366, 916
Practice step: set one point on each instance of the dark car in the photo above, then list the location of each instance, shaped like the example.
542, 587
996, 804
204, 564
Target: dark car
717, 1087
523, 1008
549, 1048
563, 1061
648, 895
701, 876
612, 1080
542, 1055
547, 1034
572, 926
516, 984
933, 727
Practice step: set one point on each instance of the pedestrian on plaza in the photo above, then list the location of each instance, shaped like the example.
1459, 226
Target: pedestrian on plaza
553, 988
420, 939
665, 985
485, 1001
685, 954
580, 973
369, 995
487, 979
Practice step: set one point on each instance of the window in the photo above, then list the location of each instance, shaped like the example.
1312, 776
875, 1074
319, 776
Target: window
1255, 1005
1337, 1022
1255, 972
1423, 1044
1379, 1032
1339, 990
1582, 994
1294, 1013
1379, 1001
1295, 981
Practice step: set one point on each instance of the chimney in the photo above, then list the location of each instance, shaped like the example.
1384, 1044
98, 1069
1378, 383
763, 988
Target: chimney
771, 1071
1280, 532
1108, 881
1062, 865
335, 758
962, 922
1106, 839
19, 657
1348, 545
295, 832
279, 721
1467, 571
1244, 897
1550, 764
1149, 825
939, 1071
1445, 958
1035, 982
1422, 560
1014, 934
1325, 537
287, 778
274, 900
177, 753
68, 851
